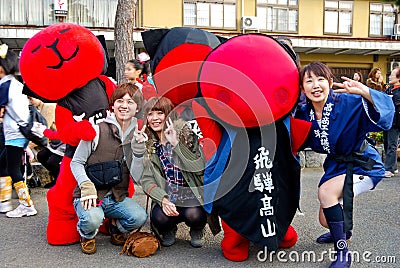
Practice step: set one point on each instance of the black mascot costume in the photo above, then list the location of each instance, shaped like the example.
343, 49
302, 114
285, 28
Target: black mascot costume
244, 89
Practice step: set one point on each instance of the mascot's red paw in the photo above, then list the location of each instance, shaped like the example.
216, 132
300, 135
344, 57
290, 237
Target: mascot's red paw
85, 130
290, 238
234, 246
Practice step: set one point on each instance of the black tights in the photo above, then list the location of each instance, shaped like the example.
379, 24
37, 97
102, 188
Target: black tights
11, 163
194, 217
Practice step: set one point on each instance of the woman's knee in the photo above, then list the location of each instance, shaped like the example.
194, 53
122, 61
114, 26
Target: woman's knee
322, 219
158, 216
195, 216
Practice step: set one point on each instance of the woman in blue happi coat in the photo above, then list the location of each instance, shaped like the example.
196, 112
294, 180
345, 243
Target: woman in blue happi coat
340, 121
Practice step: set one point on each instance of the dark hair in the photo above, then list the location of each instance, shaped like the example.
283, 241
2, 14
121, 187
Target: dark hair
360, 75
318, 68
144, 67
287, 44
129, 88
9, 63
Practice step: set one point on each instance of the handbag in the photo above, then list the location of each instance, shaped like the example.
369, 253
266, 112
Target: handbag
141, 244
105, 175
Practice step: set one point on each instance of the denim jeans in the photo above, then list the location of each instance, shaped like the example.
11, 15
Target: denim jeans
392, 136
128, 215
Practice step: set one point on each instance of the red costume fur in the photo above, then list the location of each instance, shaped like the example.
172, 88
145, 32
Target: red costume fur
56, 61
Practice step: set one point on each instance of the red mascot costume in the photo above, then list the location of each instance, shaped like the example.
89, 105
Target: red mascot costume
64, 63
244, 90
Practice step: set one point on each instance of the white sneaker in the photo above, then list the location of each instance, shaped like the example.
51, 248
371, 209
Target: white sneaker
21, 211
396, 171
5, 206
388, 174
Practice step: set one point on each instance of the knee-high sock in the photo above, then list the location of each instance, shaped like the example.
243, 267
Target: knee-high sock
23, 193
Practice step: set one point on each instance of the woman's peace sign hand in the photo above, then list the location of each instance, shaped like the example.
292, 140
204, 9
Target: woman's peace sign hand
170, 133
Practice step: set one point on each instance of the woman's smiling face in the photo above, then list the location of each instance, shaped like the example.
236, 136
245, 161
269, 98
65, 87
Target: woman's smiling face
156, 120
316, 88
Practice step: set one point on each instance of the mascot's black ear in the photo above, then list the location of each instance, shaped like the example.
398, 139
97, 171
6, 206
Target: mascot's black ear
102, 40
151, 40
221, 39
28, 92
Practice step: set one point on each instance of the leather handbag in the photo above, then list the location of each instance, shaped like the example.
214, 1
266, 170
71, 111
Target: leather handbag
141, 243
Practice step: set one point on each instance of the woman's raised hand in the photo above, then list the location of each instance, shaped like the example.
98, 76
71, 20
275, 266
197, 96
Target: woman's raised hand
353, 87
170, 132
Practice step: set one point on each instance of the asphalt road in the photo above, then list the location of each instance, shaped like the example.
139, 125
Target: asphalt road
376, 239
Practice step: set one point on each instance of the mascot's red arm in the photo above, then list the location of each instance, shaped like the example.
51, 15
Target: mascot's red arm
70, 131
51, 134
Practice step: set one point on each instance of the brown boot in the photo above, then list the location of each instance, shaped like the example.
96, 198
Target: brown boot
117, 238
88, 246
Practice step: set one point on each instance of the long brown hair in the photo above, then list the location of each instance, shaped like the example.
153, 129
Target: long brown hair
373, 72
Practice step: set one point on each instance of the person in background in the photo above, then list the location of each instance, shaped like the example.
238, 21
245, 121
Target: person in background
16, 113
50, 157
138, 72
340, 121
116, 138
144, 59
173, 174
134, 71
375, 79
48, 112
357, 76
392, 135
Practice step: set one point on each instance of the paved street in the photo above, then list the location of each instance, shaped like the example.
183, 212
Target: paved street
376, 238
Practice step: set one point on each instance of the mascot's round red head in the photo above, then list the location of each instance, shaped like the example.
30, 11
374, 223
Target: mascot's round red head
239, 86
53, 61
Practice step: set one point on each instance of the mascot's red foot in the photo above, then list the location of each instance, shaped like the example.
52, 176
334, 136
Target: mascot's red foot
234, 246
62, 231
290, 238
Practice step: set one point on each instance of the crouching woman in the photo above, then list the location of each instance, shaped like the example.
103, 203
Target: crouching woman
173, 173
